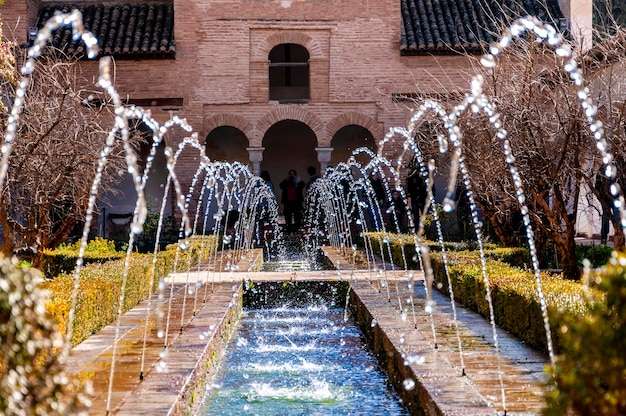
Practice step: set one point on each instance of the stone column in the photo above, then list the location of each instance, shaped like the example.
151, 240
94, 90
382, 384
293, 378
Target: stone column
256, 157
579, 14
323, 156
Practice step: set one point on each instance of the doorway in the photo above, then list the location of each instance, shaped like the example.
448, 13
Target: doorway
289, 144
349, 138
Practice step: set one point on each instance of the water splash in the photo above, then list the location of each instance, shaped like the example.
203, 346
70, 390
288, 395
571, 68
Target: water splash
231, 186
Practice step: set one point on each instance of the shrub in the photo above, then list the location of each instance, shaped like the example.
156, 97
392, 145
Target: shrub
146, 241
99, 292
512, 290
597, 255
400, 249
100, 286
590, 374
63, 259
31, 375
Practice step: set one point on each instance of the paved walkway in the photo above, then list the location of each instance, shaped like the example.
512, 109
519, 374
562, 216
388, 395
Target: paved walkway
199, 325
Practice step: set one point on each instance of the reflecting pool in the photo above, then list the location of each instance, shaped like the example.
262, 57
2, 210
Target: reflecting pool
300, 361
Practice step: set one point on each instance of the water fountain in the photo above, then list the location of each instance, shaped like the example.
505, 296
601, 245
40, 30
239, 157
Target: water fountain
299, 360
341, 207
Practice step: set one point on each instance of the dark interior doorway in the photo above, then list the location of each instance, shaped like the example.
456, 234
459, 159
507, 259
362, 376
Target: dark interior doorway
349, 138
289, 144
227, 144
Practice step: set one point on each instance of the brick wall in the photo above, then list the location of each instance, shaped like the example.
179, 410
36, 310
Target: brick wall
222, 47
221, 67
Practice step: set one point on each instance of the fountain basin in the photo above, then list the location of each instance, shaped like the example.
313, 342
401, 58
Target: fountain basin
295, 360
429, 380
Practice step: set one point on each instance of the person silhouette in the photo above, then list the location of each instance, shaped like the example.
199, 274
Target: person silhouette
609, 210
417, 192
397, 213
265, 175
378, 189
314, 176
292, 200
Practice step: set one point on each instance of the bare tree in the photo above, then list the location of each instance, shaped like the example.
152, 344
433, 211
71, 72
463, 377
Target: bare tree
606, 69
54, 158
554, 149
550, 139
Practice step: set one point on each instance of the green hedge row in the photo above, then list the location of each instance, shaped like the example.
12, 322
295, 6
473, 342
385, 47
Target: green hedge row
514, 295
385, 243
100, 285
63, 259
513, 287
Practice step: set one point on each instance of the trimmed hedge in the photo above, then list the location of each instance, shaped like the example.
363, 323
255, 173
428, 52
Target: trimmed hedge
513, 287
100, 286
63, 259
515, 256
590, 375
514, 295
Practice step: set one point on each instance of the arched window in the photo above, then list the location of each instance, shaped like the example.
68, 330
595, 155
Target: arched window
289, 73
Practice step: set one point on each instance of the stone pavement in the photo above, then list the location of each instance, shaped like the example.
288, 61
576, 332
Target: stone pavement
169, 381
429, 343
420, 351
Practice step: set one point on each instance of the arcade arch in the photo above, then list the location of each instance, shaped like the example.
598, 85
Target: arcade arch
228, 144
289, 144
349, 138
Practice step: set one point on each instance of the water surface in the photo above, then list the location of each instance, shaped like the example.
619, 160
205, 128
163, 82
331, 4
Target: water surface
304, 361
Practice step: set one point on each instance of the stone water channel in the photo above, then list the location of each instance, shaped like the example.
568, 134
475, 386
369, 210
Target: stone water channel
294, 360
428, 378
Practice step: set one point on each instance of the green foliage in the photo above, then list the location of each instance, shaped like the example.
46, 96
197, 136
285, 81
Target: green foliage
513, 256
512, 290
400, 249
24, 264
455, 226
100, 285
63, 259
590, 374
147, 239
99, 292
31, 376
598, 255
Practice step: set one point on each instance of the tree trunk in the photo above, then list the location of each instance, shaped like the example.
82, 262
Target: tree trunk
503, 230
571, 271
8, 242
541, 242
60, 235
56, 239
618, 238
567, 249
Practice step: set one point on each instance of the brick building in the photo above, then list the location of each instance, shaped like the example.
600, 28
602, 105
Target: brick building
284, 84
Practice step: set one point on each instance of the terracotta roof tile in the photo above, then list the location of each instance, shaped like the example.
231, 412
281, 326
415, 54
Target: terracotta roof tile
123, 30
458, 26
